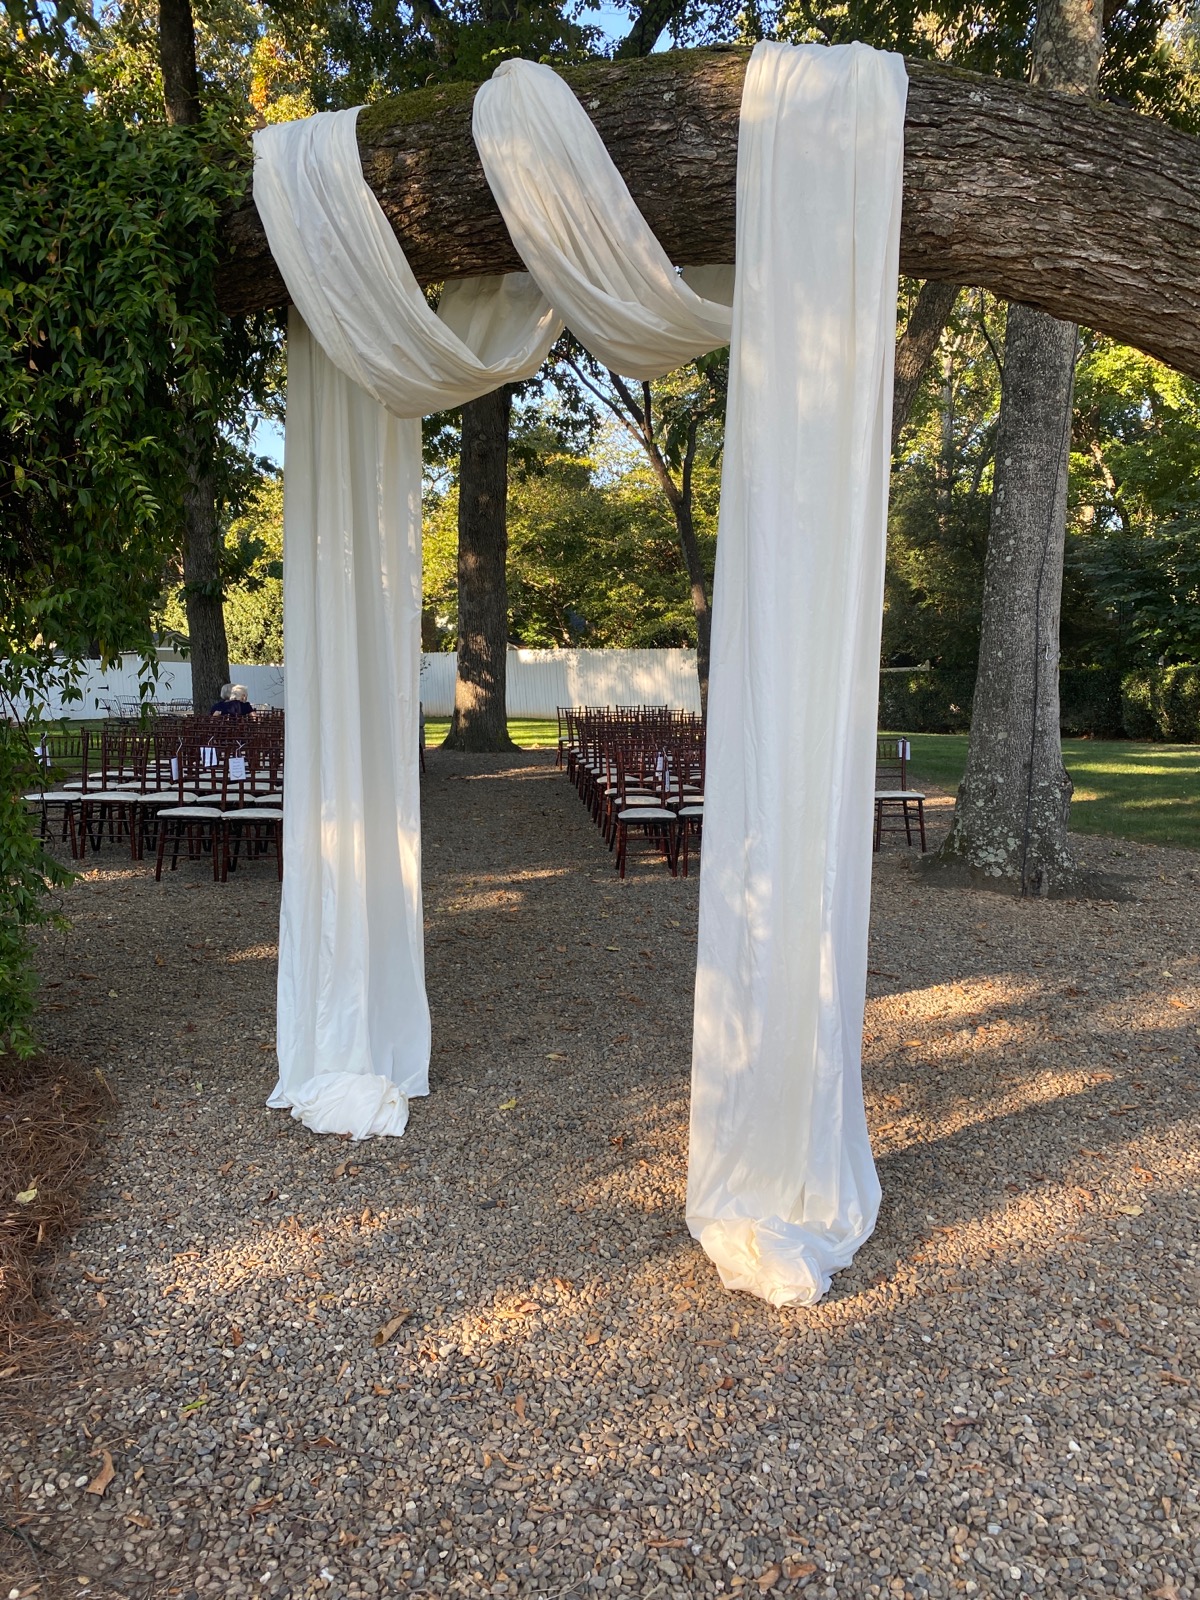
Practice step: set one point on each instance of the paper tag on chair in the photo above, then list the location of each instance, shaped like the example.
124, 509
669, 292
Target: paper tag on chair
174, 769
237, 769
208, 755
906, 749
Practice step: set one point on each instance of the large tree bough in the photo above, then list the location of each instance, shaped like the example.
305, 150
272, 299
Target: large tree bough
1088, 211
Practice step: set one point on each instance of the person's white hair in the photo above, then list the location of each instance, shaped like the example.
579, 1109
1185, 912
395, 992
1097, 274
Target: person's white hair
226, 690
238, 691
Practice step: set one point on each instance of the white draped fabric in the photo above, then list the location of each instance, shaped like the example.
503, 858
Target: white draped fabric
781, 1185
782, 1188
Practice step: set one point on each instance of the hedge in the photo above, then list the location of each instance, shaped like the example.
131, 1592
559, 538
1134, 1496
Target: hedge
1095, 702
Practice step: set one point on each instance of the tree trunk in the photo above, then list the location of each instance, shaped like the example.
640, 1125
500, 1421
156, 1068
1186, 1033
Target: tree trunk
1089, 211
1010, 819
698, 584
480, 719
202, 587
1014, 803
203, 594
915, 348
177, 61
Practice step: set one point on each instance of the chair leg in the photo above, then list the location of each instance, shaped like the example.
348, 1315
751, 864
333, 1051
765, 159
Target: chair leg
907, 824
921, 822
878, 824
162, 844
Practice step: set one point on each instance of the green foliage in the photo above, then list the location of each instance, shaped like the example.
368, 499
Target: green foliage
110, 333
108, 245
1162, 704
251, 580
28, 872
593, 553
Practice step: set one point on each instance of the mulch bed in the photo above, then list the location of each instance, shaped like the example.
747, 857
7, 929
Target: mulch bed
50, 1117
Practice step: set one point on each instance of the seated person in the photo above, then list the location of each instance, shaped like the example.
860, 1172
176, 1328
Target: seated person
238, 704
222, 705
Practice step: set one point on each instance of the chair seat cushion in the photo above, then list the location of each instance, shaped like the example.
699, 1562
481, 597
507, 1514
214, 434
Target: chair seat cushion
53, 797
646, 814
254, 814
899, 794
166, 796
690, 811
196, 813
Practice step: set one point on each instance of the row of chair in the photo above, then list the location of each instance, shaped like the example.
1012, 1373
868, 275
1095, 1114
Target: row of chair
640, 772
214, 784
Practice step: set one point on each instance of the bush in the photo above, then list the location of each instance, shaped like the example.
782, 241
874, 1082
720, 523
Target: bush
1094, 702
1090, 702
937, 700
1163, 704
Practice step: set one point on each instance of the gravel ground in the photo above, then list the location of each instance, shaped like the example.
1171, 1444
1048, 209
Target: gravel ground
488, 1360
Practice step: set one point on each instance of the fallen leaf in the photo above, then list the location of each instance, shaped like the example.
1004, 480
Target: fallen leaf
346, 1538
159, 962
104, 1477
726, 1382
1169, 1591
27, 1197
102, 1299
225, 1170
396, 1538
1131, 1211
563, 1285
263, 1505
322, 1442
592, 1336
519, 1407
139, 1519
507, 1105
769, 1578
1176, 1377
799, 1569
556, 1055
666, 1544
1141, 1172
195, 1405
235, 1336
391, 1327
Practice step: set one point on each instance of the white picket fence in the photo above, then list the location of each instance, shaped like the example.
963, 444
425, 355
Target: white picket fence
538, 682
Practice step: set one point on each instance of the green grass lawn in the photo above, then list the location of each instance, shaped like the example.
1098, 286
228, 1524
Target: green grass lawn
1147, 792
531, 733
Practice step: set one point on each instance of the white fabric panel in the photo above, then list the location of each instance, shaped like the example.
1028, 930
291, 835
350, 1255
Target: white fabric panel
577, 229
781, 1184
353, 1023
350, 281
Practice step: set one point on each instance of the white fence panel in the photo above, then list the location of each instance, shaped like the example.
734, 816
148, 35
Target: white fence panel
102, 688
541, 680
538, 682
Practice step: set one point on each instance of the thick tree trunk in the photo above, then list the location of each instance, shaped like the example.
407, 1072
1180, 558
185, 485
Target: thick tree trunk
1086, 210
203, 593
480, 720
1014, 803
1010, 819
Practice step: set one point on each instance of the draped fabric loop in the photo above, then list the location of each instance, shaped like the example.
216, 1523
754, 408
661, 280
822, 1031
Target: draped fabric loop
782, 1188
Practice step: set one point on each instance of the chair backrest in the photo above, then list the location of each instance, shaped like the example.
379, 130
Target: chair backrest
891, 763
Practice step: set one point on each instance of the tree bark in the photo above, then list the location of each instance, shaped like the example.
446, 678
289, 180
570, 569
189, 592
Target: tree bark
203, 594
480, 719
915, 348
177, 61
1088, 211
1010, 818
1014, 803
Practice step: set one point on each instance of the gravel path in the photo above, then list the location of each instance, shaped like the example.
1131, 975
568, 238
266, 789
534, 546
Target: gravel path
488, 1360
